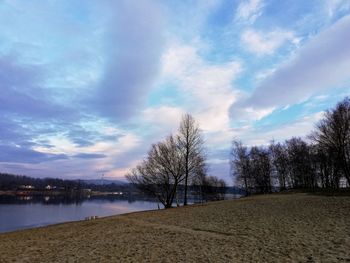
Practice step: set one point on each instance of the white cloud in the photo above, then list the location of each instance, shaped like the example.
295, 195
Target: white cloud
249, 10
262, 43
118, 150
299, 128
163, 119
207, 87
321, 64
244, 114
257, 114
113, 164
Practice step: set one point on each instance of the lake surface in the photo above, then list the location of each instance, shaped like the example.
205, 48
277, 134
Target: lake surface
34, 211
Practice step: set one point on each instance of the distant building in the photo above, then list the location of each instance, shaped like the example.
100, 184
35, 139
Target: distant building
26, 187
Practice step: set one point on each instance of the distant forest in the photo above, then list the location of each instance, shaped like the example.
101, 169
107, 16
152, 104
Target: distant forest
320, 162
10, 182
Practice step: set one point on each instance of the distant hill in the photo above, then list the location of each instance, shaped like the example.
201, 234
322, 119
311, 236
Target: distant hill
104, 181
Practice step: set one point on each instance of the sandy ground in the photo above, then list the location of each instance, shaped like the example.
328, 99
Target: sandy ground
271, 228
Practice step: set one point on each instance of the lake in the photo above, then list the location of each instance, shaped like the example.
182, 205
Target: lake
21, 212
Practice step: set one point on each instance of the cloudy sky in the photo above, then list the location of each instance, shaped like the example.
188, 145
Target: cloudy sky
87, 86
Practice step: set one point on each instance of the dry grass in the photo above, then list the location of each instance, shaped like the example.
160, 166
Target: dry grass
272, 228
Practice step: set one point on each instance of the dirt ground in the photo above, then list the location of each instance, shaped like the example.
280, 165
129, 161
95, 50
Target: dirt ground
270, 228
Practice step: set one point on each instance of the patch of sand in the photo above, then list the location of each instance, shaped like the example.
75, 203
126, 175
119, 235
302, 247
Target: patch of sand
271, 228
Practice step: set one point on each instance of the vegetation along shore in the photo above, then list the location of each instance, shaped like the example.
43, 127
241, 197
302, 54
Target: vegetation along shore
295, 227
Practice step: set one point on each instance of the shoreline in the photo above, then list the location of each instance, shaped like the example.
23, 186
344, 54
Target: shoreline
77, 221
109, 216
82, 219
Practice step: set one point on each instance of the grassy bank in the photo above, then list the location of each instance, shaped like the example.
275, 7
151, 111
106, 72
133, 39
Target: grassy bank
271, 228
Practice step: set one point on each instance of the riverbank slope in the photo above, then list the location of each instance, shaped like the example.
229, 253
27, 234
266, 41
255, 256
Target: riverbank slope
270, 228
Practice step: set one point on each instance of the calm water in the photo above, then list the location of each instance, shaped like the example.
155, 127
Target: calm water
27, 212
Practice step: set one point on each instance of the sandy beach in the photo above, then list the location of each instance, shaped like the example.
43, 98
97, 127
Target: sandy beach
269, 228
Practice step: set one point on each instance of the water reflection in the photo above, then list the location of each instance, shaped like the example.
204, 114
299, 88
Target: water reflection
19, 212
63, 199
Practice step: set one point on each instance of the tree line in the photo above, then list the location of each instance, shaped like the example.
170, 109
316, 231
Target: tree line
175, 165
321, 161
11, 182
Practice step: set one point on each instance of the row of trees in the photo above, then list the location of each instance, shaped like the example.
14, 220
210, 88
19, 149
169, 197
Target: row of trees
11, 182
175, 163
322, 161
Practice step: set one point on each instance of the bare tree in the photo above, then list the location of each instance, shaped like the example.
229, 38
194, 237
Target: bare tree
333, 135
160, 174
260, 169
198, 180
191, 145
300, 163
209, 188
326, 167
296, 163
280, 163
240, 166
213, 188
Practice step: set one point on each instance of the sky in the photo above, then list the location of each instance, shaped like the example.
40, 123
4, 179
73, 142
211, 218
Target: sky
86, 87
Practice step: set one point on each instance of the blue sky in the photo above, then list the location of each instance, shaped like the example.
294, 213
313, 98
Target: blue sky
87, 86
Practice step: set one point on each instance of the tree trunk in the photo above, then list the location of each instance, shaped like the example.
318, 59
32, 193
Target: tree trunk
187, 172
185, 197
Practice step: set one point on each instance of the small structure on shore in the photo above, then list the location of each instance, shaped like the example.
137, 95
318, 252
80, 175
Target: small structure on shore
26, 187
91, 218
50, 187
